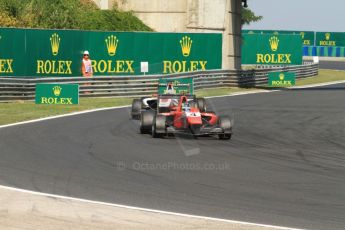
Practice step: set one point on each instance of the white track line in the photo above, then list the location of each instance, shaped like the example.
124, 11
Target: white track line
126, 106
144, 209
318, 85
110, 108
63, 115
246, 93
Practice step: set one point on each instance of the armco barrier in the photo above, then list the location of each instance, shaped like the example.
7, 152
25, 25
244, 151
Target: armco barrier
136, 86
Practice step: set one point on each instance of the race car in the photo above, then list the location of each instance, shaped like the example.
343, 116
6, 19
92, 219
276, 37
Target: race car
150, 103
180, 114
170, 88
143, 104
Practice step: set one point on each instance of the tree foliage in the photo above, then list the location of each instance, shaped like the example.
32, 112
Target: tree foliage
66, 14
248, 16
7, 21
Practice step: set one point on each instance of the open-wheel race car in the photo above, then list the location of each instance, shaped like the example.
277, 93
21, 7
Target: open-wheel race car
165, 88
151, 103
182, 114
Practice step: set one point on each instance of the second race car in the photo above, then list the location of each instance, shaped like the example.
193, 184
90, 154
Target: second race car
181, 114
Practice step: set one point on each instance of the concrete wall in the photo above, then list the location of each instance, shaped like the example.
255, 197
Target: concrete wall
104, 4
161, 15
215, 16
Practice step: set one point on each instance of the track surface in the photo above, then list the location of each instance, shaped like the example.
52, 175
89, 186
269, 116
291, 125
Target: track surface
284, 166
337, 65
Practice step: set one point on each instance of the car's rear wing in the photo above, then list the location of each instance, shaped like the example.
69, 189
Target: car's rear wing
181, 86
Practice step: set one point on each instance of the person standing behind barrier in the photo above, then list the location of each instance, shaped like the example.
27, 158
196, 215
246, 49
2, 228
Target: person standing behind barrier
86, 68
87, 65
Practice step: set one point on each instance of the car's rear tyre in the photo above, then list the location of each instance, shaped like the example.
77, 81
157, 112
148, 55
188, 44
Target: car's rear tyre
225, 123
136, 109
201, 104
159, 126
146, 121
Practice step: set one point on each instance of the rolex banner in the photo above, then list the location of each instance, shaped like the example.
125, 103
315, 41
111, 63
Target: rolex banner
281, 79
12, 52
308, 37
330, 39
270, 49
57, 94
58, 53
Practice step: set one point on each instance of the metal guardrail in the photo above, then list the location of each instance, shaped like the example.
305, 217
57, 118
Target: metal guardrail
137, 86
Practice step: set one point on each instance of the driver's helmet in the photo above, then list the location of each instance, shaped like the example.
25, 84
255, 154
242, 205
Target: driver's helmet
170, 89
185, 106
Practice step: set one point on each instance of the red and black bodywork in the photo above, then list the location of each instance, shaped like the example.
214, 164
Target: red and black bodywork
183, 114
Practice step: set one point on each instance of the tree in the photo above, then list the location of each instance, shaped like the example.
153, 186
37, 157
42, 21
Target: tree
248, 16
7, 21
66, 14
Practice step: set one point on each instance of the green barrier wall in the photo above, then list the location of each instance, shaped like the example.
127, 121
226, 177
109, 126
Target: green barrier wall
44, 53
271, 49
330, 39
12, 52
323, 44
308, 37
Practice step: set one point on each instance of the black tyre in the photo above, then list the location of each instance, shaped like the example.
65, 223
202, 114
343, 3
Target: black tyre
136, 109
201, 104
225, 123
224, 136
159, 126
195, 129
146, 121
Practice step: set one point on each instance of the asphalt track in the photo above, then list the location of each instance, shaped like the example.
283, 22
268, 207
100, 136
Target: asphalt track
336, 65
284, 166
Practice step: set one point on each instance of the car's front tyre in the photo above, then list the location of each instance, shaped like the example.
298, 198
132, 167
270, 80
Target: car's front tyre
136, 109
226, 125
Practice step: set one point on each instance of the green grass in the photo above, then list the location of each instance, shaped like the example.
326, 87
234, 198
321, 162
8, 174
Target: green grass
22, 111
324, 76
